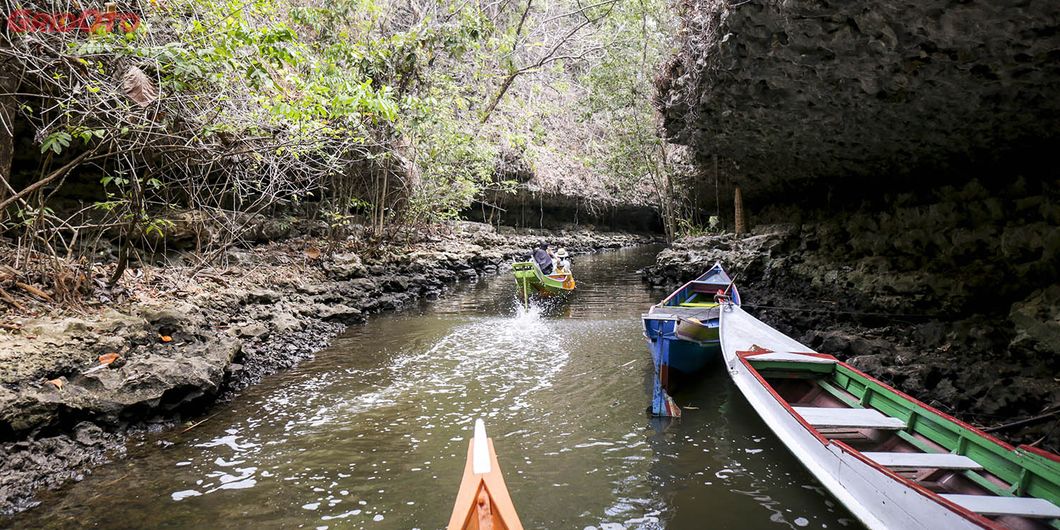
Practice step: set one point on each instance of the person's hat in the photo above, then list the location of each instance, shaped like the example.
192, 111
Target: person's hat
561, 253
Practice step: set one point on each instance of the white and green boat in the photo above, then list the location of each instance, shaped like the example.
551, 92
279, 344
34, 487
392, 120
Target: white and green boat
893, 461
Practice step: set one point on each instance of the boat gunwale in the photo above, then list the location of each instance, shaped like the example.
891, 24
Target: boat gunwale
746, 358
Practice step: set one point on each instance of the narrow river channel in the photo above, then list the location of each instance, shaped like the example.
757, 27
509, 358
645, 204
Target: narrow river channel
373, 432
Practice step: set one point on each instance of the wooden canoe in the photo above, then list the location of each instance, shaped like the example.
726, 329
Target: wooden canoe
483, 502
893, 461
682, 332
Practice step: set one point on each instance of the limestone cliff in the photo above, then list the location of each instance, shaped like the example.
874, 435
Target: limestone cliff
798, 93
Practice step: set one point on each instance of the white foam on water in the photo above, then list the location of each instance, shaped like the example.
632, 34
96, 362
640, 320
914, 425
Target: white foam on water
181, 495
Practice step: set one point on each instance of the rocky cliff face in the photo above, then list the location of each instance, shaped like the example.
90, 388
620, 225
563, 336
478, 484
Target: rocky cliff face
905, 146
799, 93
528, 208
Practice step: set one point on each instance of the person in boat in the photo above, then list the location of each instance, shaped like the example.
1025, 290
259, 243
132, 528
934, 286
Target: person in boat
543, 258
562, 260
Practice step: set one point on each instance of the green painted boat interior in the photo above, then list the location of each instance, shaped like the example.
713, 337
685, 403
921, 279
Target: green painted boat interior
699, 300
1006, 471
526, 271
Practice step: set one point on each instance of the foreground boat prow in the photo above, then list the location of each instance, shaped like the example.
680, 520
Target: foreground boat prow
482, 502
893, 461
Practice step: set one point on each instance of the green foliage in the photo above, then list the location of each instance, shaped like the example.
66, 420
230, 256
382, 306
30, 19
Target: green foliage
455, 165
56, 142
621, 88
687, 228
369, 106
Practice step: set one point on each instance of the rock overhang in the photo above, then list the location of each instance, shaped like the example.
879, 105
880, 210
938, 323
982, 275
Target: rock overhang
798, 93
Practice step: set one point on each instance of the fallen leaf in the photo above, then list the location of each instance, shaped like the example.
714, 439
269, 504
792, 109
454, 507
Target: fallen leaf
312, 253
139, 87
58, 383
108, 358
166, 338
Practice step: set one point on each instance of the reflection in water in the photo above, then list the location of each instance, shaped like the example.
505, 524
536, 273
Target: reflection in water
373, 432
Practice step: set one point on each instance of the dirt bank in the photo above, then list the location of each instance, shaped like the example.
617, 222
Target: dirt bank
186, 339
989, 358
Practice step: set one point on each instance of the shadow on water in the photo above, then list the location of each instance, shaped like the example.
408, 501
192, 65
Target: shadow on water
373, 432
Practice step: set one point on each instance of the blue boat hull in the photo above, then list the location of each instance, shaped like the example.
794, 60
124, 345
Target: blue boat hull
683, 356
671, 354
683, 332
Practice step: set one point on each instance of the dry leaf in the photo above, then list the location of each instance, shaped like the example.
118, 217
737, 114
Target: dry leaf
312, 253
108, 358
166, 338
139, 87
58, 383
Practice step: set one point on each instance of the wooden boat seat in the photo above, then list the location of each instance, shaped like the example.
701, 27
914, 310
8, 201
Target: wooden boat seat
827, 417
795, 357
670, 312
924, 460
1017, 506
699, 304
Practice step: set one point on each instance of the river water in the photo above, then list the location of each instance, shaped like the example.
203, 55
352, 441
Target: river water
373, 432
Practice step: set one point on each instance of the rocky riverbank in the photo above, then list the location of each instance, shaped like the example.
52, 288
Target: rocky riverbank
74, 386
951, 335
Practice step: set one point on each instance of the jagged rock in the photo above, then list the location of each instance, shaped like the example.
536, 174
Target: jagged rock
68, 458
149, 381
396, 284
339, 313
345, 266
253, 330
284, 322
263, 296
1036, 321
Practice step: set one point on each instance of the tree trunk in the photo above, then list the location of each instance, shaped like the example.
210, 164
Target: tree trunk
717, 188
741, 222
8, 108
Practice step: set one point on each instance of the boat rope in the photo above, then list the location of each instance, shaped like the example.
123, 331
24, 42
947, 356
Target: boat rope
840, 312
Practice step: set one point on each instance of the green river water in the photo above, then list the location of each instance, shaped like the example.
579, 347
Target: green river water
373, 432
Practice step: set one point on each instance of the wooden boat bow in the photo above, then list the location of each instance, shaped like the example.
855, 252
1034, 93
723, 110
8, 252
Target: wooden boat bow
483, 502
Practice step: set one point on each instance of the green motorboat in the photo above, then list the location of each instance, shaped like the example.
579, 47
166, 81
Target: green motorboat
529, 278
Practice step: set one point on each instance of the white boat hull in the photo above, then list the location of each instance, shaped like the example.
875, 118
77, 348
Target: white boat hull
875, 497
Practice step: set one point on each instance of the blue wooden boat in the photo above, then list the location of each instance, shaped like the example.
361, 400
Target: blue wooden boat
682, 332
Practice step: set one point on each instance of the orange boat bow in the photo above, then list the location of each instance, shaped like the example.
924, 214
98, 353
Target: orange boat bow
483, 502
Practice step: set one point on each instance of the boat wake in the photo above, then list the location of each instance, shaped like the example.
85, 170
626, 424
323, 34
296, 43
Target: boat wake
422, 400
